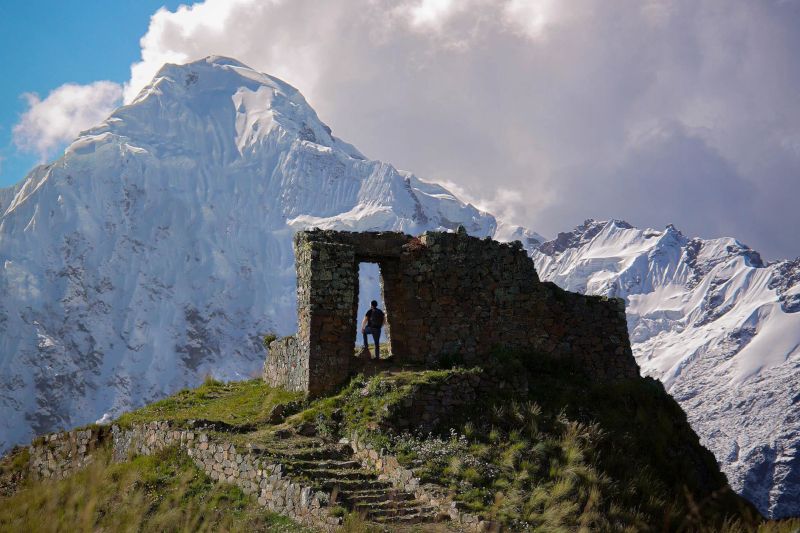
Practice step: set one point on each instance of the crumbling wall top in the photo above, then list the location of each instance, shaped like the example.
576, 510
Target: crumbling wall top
446, 294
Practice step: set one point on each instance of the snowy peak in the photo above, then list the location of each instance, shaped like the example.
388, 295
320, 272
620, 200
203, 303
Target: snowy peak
718, 327
580, 235
506, 232
158, 249
234, 108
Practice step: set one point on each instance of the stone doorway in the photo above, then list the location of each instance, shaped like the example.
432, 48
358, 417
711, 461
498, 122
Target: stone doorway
445, 294
379, 279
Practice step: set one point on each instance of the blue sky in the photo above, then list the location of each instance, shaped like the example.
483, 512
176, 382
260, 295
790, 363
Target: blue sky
44, 44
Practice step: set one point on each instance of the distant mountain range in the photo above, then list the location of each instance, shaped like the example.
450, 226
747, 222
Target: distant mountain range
158, 250
718, 327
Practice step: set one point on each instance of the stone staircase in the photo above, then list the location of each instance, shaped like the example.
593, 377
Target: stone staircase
332, 469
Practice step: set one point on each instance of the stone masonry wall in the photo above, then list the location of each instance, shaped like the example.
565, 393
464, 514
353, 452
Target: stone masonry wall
427, 407
445, 294
283, 367
58, 455
223, 462
464, 295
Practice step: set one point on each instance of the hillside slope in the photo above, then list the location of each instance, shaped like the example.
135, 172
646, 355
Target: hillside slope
563, 452
718, 327
158, 248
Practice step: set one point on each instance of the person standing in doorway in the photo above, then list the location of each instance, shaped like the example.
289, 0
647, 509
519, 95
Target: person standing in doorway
371, 325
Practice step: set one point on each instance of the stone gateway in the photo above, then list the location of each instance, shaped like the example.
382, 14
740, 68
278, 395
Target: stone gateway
445, 294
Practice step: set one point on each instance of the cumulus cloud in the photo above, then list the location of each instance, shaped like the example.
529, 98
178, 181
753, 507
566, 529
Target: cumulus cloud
682, 111
50, 123
508, 205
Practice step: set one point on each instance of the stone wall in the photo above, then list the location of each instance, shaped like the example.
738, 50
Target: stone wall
445, 294
427, 407
283, 367
223, 462
58, 455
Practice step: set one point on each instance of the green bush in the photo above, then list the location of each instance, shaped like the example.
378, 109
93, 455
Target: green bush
268, 338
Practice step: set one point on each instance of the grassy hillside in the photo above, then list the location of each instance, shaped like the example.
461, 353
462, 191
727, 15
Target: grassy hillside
163, 492
572, 454
235, 404
569, 455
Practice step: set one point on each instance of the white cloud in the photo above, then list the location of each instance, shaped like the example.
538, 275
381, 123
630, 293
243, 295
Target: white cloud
175, 37
546, 112
508, 205
50, 123
432, 12
533, 17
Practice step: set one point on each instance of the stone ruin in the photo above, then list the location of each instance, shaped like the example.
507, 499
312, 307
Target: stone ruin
445, 295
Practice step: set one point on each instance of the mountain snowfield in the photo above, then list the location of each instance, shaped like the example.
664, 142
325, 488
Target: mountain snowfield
718, 327
157, 250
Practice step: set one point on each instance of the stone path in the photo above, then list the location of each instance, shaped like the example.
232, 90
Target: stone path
332, 468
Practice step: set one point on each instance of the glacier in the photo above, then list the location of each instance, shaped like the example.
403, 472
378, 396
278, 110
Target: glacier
721, 330
157, 251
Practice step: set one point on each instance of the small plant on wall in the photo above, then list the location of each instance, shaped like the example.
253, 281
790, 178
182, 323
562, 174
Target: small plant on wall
268, 338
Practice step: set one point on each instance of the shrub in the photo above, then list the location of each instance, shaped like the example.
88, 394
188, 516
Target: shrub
268, 338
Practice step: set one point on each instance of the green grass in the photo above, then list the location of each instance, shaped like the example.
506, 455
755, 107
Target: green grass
234, 403
163, 492
572, 454
577, 454
15, 461
386, 349
364, 403
13, 469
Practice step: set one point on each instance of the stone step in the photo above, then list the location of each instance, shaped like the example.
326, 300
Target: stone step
349, 485
424, 513
306, 454
324, 473
391, 505
375, 496
326, 466
332, 464
294, 442
428, 512
414, 518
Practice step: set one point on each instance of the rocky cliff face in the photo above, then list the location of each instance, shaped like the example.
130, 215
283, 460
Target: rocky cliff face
158, 248
718, 327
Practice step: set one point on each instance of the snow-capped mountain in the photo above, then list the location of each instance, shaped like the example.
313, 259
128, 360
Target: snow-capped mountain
158, 248
718, 327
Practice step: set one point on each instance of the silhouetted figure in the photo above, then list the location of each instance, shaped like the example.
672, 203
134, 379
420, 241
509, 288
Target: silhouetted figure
371, 325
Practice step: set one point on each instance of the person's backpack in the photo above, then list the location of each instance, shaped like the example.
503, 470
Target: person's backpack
376, 318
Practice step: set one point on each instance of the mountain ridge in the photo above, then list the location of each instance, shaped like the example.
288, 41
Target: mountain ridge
718, 327
157, 250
